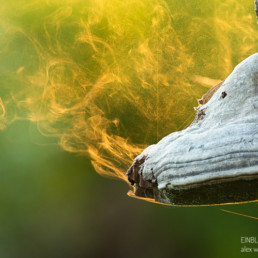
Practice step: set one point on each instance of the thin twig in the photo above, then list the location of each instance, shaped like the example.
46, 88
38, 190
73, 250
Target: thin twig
251, 217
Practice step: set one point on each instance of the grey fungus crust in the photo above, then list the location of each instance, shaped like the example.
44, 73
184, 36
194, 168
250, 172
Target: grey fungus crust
215, 159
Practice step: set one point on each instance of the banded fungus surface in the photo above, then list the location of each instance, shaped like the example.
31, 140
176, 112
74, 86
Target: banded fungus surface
215, 159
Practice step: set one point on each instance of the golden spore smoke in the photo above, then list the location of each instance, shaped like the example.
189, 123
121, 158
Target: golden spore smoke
109, 77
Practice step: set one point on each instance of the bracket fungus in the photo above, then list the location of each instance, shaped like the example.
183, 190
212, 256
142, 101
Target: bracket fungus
215, 159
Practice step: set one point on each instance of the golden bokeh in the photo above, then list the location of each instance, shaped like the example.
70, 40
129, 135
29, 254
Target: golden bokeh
110, 77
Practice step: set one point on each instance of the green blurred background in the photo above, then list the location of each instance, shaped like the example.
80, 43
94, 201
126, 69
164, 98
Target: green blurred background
84, 87
53, 204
